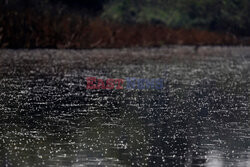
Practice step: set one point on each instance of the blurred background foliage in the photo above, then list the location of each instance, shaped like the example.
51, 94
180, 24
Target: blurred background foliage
219, 15
122, 23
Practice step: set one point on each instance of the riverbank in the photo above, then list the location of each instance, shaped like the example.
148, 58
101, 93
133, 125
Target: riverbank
29, 30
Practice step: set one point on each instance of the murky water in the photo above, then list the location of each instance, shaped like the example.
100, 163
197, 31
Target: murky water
200, 117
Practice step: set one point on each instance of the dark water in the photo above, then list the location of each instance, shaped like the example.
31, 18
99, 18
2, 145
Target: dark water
200, 117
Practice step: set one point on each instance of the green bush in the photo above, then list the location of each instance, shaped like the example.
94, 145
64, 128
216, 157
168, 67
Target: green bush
221, 15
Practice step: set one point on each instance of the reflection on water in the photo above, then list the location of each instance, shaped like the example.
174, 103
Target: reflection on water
200, 118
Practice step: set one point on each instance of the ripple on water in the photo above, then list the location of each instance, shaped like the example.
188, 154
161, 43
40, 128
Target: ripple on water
200, 118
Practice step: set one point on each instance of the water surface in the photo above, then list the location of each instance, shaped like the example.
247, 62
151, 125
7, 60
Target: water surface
200, 117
